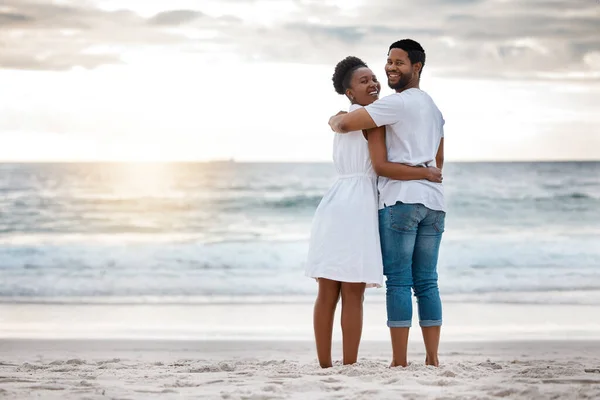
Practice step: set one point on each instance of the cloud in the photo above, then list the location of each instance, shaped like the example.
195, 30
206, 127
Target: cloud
48, 36
175, 17
462, 38
466, 38
8, 18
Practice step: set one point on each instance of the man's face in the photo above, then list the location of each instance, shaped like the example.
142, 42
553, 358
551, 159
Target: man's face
399, 69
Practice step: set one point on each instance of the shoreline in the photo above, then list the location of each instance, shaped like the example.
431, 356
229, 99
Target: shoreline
287, 322
579, 297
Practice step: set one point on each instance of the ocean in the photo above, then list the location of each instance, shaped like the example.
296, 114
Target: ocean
237, 232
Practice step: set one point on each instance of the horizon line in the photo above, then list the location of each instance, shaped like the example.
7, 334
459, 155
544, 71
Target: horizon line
232, 161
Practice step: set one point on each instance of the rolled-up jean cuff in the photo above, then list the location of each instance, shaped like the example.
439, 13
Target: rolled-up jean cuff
428, 323
399, 324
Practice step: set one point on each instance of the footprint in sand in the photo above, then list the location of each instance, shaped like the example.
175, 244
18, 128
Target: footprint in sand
16, 380
46, 387
213, 382
291, 376
227, 367
448, 374
184, 384
576, 381
271, 388
441, 382
26, 367
369, 392
271, 362
63, 369
204, 369
114, 360
164, 391
490, 365
276, 382
503, 393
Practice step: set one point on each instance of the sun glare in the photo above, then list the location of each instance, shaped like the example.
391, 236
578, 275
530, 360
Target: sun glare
143, 179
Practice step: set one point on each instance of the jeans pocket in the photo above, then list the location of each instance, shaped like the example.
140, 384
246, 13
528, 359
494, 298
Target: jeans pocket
404, 217
440, 221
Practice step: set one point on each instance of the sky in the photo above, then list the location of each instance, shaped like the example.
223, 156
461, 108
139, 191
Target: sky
187, 80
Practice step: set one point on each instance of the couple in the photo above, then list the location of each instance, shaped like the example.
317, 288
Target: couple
368, 226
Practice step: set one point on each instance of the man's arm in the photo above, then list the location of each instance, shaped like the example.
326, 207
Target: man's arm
385, 111
354, 121
397, 171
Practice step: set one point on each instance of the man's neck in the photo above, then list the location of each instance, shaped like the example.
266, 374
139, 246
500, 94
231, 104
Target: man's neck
409, 86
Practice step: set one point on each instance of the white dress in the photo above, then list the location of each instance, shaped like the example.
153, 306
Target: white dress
344, 243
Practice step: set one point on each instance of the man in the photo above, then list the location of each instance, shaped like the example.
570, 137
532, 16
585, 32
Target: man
411, 213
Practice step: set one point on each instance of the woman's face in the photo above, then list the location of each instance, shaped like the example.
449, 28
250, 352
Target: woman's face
364, 87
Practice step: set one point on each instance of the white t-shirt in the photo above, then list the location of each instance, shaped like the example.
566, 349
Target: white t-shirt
414, 128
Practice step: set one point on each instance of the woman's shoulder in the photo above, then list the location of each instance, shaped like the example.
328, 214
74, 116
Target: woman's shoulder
354, 107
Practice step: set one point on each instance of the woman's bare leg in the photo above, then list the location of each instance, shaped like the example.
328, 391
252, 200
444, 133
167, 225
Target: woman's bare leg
352, 319
327, 299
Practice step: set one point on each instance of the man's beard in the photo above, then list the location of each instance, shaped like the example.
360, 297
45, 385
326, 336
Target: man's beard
402, 83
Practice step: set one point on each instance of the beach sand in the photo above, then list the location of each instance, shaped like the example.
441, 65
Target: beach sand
117, 369
252, 351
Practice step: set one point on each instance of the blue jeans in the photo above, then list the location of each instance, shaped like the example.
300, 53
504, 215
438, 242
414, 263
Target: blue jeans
410, 243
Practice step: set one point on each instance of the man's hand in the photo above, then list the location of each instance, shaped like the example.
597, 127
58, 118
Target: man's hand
434, 174
333, 120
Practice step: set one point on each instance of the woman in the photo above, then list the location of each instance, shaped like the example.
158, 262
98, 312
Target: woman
344, 250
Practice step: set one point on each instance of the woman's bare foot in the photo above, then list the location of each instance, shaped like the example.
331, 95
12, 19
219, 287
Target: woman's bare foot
394, 364
435, 363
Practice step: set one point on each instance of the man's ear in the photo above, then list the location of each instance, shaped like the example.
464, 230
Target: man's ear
418, 66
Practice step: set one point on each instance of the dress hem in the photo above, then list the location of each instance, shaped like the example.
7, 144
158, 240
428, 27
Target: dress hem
368, 284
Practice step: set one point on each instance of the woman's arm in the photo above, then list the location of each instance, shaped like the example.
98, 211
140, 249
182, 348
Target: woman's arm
439, 158
401, 172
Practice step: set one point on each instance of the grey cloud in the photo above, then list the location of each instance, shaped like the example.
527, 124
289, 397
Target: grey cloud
475, 38
175, 17
466, 37
354, 35
461, 18
59, 61
40, 15
586, 46
57, 37
348, 34
230, 19
541, 27
13, 18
